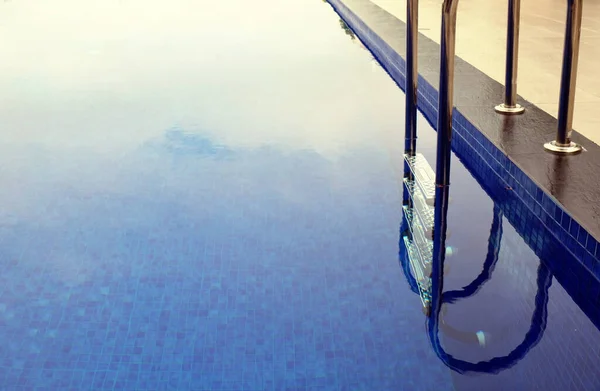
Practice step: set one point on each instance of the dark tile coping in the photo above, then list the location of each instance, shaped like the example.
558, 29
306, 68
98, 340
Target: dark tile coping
561, 191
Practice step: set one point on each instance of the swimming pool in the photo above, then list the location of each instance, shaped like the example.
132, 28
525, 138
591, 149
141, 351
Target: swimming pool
213, 201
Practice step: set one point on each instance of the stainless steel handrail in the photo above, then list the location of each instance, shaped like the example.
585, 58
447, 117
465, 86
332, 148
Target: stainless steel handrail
444, 138
412, 25
446, 93
410, 132
510, 105
568, 80
562, 144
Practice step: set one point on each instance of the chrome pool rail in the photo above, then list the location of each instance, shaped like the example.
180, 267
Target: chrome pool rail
446, 93
510, 105
412, 74
443, 148
568, 81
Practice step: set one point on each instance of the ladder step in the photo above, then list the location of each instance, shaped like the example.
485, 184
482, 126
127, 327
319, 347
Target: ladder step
424, 176
420, 208
423, 246
420, 253
423, 282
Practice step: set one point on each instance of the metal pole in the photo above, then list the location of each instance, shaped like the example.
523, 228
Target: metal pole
563, 143
510, 105
440, 227
446, 101
412, 23
444, 137
410, 122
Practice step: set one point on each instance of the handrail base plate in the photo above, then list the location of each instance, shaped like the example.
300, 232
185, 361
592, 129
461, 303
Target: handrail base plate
569, 149
504, 109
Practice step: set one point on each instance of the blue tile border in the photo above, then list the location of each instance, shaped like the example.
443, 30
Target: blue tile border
555, 218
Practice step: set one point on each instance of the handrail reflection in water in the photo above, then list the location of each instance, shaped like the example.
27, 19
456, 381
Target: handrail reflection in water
488, 265
498, 364
538, 319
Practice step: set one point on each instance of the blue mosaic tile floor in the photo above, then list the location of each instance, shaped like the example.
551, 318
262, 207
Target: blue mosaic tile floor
212, 201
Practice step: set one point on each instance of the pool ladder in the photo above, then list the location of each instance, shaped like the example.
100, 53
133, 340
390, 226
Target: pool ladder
426, 194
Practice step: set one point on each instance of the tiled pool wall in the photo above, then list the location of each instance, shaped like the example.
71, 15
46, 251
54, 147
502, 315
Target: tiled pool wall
488, 157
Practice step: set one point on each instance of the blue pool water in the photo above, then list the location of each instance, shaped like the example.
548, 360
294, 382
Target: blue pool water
211, 200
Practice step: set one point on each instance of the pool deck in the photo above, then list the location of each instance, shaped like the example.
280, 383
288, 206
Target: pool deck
481, 41
561, 190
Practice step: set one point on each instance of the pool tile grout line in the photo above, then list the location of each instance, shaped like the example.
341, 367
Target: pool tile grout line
554, 216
